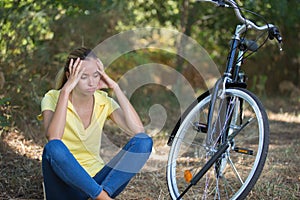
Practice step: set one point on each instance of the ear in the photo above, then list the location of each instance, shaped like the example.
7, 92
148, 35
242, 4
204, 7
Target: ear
67, 75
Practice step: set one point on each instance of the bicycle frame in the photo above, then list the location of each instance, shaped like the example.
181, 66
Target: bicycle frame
233, 69
231, 73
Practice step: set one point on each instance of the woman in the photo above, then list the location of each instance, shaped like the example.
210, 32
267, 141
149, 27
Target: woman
73, 116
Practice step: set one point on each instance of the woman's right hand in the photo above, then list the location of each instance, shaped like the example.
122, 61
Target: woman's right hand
75, 72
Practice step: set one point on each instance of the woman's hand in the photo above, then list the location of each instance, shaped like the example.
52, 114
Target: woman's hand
105, 81
74, 75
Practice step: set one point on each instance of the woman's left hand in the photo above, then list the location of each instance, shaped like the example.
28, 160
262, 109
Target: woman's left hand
105, 81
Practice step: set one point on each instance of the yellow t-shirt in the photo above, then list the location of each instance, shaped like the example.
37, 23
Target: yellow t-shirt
83, 143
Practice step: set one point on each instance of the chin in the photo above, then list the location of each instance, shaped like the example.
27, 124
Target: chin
90, 92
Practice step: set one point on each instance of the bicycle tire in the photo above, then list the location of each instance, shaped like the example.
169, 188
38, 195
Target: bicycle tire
238, 169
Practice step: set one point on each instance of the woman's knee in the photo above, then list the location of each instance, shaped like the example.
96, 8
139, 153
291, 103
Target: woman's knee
54, 148
144, 142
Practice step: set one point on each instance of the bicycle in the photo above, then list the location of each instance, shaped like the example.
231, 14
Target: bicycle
220, 143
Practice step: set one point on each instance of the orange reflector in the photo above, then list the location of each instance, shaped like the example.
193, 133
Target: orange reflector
188, 176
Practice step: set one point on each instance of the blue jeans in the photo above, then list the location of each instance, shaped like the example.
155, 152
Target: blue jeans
65, 178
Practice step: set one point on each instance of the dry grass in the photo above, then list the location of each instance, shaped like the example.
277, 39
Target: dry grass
20, 171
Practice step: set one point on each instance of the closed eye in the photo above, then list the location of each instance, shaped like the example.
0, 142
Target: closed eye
96, 74
83, 76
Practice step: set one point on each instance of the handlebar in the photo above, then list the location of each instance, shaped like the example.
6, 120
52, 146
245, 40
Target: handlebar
273, 30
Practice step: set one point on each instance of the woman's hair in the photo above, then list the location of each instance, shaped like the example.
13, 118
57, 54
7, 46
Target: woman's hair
82, 53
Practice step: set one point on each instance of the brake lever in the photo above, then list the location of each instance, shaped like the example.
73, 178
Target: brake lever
274, 33
280, 46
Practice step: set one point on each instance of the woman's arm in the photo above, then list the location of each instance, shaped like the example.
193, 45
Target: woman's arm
54, 122
126, 116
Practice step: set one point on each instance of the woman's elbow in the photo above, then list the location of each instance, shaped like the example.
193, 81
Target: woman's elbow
139, 129
51, 136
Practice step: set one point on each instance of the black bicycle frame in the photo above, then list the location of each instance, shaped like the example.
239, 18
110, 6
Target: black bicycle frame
231, 59
231, 73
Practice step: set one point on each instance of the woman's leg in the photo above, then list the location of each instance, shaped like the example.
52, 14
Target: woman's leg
55, 187
64, 178
129, 161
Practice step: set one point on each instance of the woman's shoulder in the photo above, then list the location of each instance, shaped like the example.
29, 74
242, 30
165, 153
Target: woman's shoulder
49, 100
52, 93
101, 93
102, 96
103, 99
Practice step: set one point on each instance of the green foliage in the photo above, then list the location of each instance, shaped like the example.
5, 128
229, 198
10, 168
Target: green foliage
24, 24
36, 37
259, 85
34, 41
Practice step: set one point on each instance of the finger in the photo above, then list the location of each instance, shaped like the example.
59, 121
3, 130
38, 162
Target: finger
100, 64
102, 85
71, 62
100, 72
81, 72
76, 63
77, 67
71, 65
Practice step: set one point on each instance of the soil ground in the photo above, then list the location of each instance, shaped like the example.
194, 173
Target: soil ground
20, 163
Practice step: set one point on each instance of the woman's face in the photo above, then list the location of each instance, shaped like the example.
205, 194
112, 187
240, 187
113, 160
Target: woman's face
90, 78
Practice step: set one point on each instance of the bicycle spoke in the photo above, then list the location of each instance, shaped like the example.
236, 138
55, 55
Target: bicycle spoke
226, 185
235, 170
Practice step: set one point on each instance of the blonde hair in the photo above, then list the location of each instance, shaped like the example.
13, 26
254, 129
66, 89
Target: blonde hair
60, 79
82, 53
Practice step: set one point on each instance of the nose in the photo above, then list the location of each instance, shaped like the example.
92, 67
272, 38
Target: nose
91, 81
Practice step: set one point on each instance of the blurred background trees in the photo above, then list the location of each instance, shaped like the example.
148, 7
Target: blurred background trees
36, 37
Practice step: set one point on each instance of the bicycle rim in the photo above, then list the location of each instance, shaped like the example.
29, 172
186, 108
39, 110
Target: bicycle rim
237, 170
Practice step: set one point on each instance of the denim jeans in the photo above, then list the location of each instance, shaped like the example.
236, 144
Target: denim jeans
65, 178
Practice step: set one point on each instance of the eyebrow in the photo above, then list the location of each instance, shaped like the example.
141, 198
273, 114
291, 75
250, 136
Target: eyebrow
93, 73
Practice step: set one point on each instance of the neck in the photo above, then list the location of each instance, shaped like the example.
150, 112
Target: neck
78, 99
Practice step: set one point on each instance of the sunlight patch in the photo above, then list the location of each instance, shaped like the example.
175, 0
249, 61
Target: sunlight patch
20, 145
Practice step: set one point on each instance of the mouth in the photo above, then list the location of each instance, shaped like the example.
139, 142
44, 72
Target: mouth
91, 89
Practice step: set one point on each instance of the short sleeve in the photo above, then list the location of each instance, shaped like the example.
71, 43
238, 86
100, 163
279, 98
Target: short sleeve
102, 99
114, 105
50, 100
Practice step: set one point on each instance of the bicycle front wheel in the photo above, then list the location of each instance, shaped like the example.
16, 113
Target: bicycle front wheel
236, 171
